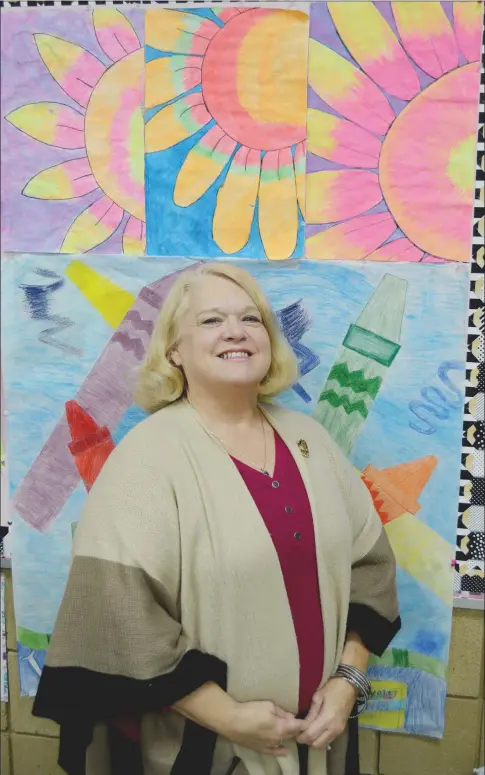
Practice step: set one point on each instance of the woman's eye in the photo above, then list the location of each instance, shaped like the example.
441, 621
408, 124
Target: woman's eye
211, 321
251, 319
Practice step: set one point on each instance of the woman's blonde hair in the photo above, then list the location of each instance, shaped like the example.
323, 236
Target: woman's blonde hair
160, 382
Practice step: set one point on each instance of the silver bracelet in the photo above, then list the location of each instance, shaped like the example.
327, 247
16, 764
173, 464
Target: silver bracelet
359, 681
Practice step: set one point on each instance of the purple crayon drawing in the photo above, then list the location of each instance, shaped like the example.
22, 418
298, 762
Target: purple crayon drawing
105, 395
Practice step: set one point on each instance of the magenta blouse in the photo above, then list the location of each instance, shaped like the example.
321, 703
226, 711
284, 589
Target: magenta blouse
283, 503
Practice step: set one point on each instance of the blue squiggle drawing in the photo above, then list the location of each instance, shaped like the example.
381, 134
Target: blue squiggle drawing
437, 402
295, 321
37, 298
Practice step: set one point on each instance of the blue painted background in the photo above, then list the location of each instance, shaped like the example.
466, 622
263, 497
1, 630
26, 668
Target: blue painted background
39, 379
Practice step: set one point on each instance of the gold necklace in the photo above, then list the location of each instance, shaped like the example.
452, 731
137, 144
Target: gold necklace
228, 447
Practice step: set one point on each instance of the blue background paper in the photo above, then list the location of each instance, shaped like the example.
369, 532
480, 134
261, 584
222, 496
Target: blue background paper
39, 379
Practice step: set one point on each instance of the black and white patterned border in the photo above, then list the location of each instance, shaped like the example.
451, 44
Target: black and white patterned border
469, 579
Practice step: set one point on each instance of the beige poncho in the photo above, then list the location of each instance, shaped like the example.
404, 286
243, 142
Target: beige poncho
175, 581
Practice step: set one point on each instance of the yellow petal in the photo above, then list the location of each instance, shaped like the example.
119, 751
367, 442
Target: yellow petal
75, 69
236, 201
202, 166
278, 209
175, 123
178, 32
93, 226
51, 123
168, 77
68, 180
114, 32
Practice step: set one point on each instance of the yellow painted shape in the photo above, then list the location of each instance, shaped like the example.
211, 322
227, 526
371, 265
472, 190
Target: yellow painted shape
166, 128
38, 120
420, 20
197, 174
166, 30
386, 719
319, 132
234, 211
423, 553
300, 178
110, 300
111, 17
84, 233
344, 79
468, 14
52, 183
364, 31
278, 44
160, 83
459, 170
133, 246
278, 217
58, 55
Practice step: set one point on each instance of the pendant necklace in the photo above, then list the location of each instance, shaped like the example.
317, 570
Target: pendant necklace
228, 447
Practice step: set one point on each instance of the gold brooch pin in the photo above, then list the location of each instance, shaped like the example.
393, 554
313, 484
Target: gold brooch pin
303, 447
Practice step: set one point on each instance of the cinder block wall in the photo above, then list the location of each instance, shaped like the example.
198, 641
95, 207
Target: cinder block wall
29, 745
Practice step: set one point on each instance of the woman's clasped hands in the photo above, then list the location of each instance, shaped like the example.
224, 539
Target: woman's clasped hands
263, 727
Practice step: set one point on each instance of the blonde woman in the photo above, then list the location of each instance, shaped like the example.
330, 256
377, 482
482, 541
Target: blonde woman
229, 575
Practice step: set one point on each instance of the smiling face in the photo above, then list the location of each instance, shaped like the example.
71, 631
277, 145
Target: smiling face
222, 340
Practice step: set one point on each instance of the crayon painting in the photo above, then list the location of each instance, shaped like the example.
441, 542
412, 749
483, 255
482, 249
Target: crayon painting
225, 131
392, 125
72, 130
374, 341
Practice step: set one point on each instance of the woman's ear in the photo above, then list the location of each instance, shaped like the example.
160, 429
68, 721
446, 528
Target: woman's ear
175, 358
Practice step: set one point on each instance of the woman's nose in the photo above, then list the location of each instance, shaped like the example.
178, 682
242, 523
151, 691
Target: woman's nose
234, 329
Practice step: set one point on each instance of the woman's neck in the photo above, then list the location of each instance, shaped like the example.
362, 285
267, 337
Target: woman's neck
236, 407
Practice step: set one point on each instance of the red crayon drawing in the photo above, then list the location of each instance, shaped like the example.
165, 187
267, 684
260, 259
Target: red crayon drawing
91, 443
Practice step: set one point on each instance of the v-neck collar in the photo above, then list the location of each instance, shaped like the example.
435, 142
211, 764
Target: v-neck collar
277, 442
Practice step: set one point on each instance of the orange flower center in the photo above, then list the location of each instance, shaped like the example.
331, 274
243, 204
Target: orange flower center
254, 78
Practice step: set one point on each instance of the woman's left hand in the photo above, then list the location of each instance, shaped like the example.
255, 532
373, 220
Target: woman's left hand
329, 713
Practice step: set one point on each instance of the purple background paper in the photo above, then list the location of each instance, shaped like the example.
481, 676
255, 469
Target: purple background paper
34, 225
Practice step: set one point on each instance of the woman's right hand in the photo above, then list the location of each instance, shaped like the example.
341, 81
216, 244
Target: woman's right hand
263, 727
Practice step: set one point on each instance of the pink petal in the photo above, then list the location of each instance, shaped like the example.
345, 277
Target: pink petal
68, 180
75, 69
427, 36
341, 141
336, 195
93, 226
347, 89
468, 18
114, 32
433, 260
379, 53
352, 240
397, 250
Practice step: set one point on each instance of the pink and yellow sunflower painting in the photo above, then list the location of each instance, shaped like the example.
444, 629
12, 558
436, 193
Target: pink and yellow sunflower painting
392, 127
225, 132
72, 138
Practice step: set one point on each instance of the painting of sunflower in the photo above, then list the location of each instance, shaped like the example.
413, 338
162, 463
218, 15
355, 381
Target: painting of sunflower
392, 127
92, 125
225, 131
